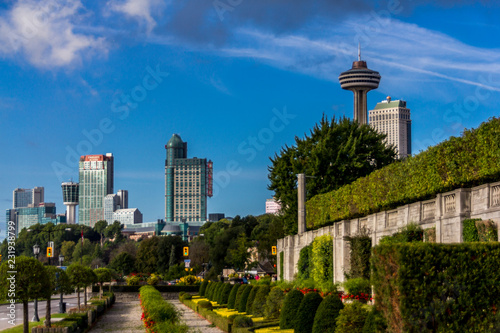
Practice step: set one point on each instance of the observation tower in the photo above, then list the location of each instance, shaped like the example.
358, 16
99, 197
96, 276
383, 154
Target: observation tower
360, 80
70, 200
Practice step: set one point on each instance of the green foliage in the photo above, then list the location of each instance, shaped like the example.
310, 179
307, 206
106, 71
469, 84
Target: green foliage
351, 318
430, 235
357, 286
30, 281
210, 290
155, 308
123, 263
407, 234
238, 296
218, 290
226, 291
147, 255
336, 153
470, 160
238, 254
361, 246
487, 231
242, 321
186, 296
203, 288
153, 279
426, 287
205, 305
274, 302
325, 320
290, 306
303, 265
232, 296
133, 280
304, 320
282, 258
321, 261
375, 322
242, 304
259, 302
251, 298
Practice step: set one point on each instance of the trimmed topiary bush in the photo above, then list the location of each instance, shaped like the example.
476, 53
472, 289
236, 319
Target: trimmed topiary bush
290, 306
208, 292
203, 288
242, 321
351, 318
224, 295
375, 322
250, 299
259, 302
325, 320
186, 297
216, 294
242, 305
181, 294
304, 319
205, 304
232, 296
274, 302
238, 296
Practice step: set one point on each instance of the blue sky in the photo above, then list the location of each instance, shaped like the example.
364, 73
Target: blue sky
237, 79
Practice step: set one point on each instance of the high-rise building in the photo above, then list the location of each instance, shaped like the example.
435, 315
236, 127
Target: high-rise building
22, 197
114, 202
128, 216
393, 119
96, 181
70, 200
360, 80
216, 217
188, 182
41, 213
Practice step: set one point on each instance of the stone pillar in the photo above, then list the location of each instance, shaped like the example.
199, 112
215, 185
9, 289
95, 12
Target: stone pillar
301, 196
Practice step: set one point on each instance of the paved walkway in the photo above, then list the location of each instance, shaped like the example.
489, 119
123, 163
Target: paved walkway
195, 322
122, 317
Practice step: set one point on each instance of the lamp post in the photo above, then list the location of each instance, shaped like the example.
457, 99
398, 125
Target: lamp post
61, 305
36, 252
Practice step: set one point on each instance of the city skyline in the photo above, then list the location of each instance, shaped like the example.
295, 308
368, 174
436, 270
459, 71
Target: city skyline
237, 82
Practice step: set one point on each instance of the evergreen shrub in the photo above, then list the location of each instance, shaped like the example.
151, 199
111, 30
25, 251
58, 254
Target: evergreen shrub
351, 318
304, 320
216, 293
303, 265
203, 288
358, 286
224, 295
242, 304
205, 304
375, 322
325, 320
259, 302
437, 287
274, 302
290, 306
232, 296
238, 296
470, 160
242, 321
208, 292
251, 298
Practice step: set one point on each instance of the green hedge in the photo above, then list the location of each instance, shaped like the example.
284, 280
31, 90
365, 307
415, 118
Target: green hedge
290, 306
203, 288
160, 288
238, 295
274, 303
242, 304
259, 303
251, 298
159, 314
326, 315
320, 261
470, 160
426, 287
477, 230
305, 314
224, 295
232, 296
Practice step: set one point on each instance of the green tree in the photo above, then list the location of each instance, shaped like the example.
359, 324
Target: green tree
30, 281
58, 283
114, 231
80, 277
67, 249
335, 153
147, 255
99, 227
123, 263
238, 254
80, 251
103, 275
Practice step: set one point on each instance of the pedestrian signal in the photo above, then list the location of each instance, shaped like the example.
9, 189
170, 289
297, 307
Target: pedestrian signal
49, 252
186, 251
273, 251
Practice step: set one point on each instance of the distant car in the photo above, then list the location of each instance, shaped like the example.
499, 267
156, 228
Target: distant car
172, 283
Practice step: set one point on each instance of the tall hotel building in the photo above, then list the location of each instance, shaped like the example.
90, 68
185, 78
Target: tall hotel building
96, 181
393, 119
22, 197
188, 182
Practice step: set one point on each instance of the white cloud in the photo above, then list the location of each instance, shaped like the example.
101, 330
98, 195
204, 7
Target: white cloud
43, 32
140, 10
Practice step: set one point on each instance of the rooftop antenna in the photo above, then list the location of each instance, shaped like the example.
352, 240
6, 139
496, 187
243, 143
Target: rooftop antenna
359, 51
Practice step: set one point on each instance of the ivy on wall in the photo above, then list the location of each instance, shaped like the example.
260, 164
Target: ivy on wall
321, 260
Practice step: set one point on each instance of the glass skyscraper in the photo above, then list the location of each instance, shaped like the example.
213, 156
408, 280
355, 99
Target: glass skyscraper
188, 182
96, 181
22, 197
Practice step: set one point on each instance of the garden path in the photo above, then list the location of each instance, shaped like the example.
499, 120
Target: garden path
124, 317
195, 322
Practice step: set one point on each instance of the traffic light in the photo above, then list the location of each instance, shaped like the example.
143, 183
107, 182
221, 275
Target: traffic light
273, 250
0, 258
185, 251
49, 252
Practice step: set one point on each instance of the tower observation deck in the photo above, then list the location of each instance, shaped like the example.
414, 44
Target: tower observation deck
70, 199
360, 80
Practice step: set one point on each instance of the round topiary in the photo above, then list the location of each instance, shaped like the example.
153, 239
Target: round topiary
251, 298
232, 296
325, 320
186, 297
231, 317
244, 298
203, 288
304, 320
225, 293
290, 306
238, 296
259, 302
181, 294
242, 321
205, 305
375, 322
351, 318
274, 302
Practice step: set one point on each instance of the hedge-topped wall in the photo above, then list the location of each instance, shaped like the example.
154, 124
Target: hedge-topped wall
470, 160
454, 291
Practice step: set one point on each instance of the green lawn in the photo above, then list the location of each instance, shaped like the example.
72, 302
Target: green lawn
19, 328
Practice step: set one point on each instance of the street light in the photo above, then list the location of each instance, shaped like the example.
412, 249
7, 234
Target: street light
36, 252
61, 305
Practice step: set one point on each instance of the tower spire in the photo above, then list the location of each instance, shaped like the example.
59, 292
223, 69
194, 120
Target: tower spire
359, 51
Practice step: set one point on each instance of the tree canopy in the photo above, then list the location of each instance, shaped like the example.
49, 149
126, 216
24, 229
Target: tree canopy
335, 153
